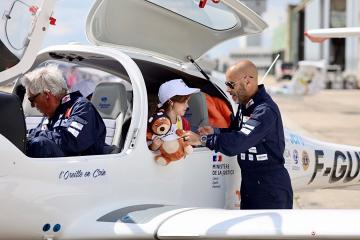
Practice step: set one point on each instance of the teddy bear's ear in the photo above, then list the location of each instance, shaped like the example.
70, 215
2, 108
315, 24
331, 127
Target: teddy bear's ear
160, 113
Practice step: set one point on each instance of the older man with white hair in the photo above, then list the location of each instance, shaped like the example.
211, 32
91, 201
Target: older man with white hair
71, 125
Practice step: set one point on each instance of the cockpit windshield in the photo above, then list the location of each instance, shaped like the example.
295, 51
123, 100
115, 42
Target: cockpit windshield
16, 24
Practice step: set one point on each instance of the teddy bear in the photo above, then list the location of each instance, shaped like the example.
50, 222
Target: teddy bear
174, 147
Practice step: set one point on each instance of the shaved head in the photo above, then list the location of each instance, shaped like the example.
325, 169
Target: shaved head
242, 68
244, 78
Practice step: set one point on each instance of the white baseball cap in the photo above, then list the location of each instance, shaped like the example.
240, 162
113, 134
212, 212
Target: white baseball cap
172, 88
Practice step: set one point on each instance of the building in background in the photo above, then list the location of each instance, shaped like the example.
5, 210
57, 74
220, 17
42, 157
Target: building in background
262, 57
251, 47
340, 54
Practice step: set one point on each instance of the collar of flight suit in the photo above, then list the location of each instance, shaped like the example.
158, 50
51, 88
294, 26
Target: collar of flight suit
66, 102
257, 98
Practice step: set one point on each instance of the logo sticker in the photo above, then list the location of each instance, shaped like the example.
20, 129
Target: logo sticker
104, 104
65, 99
252, 150
287, 157
262, 157
305, 160
217, 157
296, 156
287, 154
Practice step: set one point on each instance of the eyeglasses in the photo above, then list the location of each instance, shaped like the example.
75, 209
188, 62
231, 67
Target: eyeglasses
32, 98
232, 85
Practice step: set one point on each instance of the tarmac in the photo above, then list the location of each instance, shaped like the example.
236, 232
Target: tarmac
331, 116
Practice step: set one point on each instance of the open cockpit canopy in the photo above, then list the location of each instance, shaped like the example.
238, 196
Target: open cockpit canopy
22, 27
169, 29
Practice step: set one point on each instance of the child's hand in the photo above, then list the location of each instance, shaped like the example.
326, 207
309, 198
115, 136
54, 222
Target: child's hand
186, 135
155, 145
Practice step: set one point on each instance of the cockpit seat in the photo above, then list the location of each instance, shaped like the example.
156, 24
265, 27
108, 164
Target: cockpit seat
110, 99
197, 114
12, 122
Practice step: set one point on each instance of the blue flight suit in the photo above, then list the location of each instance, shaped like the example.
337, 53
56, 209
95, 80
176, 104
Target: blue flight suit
75, 129
256, 136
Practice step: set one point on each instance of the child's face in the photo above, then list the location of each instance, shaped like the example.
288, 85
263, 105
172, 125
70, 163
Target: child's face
180, 108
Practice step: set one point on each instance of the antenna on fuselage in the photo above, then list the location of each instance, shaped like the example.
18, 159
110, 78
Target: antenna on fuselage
267, 72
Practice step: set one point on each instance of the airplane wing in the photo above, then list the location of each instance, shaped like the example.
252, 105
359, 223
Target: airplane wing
320, 35
169, 222
269, 224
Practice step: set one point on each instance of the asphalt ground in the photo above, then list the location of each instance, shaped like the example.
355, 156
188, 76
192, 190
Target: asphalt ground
331, 116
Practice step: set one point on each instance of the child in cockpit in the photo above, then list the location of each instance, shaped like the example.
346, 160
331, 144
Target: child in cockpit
173, 100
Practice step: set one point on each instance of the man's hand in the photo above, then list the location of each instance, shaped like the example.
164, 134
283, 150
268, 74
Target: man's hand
205, 130
190, 137
193, 138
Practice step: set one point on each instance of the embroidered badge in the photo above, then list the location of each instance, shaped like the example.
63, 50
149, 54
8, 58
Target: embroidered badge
262, 157
73, 131
65, 99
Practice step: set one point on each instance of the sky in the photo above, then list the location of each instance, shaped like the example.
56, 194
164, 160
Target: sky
71, 20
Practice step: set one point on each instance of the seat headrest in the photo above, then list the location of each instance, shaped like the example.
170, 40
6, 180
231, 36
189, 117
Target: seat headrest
197, 113
12, 123
110, 99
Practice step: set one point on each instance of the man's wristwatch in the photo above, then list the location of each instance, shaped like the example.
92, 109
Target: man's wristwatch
203, 139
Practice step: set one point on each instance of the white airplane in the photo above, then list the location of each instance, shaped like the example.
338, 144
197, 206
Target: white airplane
310, 76
308, 79
127, 195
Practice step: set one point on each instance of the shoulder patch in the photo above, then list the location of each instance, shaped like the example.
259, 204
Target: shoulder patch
245, 131
73, 131
252, 123
65, 99
80, 120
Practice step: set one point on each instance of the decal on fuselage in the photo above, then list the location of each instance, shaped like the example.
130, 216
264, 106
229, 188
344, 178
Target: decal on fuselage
287, 156
296, 160
296, 140
346, 166
78, 174
305, 160
219, 168
295, 155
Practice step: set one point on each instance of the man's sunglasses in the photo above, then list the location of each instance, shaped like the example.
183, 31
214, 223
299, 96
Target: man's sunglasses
232, 85
32, 98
